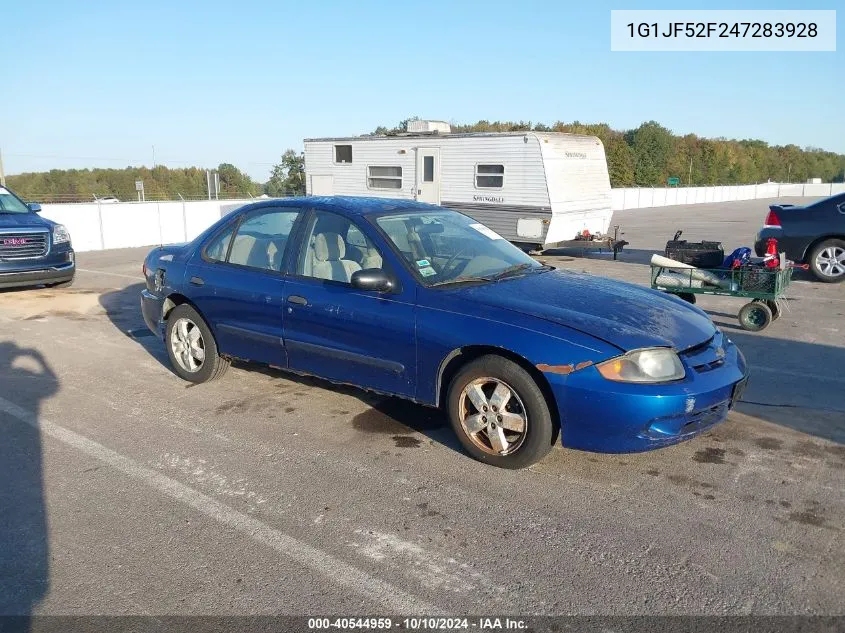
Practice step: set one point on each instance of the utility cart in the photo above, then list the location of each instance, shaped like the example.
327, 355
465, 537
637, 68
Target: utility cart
765, 287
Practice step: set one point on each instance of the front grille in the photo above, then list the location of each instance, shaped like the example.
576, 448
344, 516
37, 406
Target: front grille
22, 245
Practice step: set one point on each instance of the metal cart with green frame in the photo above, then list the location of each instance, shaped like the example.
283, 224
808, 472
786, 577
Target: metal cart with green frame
764, 287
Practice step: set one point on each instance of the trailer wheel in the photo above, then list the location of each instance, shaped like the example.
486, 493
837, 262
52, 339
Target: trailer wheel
755, 316
688, 297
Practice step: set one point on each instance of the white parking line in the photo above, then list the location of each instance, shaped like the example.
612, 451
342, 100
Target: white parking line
102, 272
332, 568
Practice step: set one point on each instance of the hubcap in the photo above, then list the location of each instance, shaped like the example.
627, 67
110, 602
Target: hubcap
831, 261
493, 416
187, 345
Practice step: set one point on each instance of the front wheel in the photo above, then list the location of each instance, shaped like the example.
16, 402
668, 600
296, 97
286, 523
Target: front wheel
191, 346
827, 261
499, 413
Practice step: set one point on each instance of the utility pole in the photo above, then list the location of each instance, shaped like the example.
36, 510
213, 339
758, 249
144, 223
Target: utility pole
154, 156
689, 182
2, 173
788, 171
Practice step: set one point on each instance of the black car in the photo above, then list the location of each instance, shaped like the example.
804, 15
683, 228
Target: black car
34, 251
813, 234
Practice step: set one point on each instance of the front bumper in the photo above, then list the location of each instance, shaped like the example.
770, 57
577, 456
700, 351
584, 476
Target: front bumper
152, 307
56, 268
609, 417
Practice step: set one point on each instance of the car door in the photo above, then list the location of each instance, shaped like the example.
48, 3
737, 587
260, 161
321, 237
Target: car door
341, 333
236, 282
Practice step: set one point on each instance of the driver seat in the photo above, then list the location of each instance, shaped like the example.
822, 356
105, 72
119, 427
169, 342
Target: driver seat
329, 262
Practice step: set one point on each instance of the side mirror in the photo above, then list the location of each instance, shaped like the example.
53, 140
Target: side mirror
35, 207
371, 279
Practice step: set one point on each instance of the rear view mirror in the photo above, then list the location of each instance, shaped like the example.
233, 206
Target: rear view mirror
428, 229
35, 207
371, 279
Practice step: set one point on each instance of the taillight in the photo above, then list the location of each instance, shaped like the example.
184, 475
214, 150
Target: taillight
144, 270
772, 219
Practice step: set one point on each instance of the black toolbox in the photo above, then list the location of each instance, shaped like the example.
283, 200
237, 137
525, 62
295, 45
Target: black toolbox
698, 254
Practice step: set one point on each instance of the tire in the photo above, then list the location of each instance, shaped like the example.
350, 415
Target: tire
493, 374
688, 297
827, 261
755, 316
185, 359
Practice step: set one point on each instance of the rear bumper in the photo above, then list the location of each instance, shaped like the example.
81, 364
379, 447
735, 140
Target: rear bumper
37, 273
607, 417
152, 308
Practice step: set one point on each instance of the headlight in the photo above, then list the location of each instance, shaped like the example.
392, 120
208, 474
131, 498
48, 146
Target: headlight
60, 234
656, 364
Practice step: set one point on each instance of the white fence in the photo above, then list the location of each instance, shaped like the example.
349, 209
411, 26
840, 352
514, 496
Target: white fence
640, 198
96, 226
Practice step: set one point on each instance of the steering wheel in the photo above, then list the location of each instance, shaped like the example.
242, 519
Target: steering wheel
451, 260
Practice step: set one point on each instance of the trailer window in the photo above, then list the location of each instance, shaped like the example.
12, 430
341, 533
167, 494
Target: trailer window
489, 176
381, 177
343, 153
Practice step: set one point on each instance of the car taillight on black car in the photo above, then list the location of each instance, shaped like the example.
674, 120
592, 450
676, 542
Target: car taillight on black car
772, 219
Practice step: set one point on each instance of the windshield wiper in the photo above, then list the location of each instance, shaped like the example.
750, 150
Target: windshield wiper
459, 280
511, 270
502, 274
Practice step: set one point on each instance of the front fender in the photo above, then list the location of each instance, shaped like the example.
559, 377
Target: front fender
554, 350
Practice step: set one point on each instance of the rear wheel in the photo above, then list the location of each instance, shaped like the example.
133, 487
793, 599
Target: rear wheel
499, 413
755, 316
687, 296
191, 346
827, 261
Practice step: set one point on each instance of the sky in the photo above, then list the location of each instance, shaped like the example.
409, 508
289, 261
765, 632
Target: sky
101, 83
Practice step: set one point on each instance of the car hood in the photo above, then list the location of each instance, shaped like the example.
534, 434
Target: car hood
622, 314
22, 221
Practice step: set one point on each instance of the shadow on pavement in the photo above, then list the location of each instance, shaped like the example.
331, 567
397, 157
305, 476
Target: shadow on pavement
123, 309
387, 415
26, 380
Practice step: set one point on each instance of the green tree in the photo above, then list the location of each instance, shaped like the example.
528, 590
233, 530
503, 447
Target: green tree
288, 177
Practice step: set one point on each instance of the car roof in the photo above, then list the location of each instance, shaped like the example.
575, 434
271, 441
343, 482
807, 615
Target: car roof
350, 205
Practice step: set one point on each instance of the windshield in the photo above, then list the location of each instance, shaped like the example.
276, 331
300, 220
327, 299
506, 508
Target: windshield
448, 247
9, 203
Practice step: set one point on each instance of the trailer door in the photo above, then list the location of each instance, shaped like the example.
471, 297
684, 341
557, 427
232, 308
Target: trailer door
428, 174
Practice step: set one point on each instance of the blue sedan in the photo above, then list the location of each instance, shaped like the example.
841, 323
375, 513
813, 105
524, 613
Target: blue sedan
424, 303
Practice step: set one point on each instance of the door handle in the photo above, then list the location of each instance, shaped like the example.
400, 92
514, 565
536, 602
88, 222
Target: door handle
197, 281
301, 301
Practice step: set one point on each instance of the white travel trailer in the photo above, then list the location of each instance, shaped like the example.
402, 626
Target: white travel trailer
537, 188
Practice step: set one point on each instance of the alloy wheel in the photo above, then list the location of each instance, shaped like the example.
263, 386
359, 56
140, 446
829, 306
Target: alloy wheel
187, 344
493, 416
831, 261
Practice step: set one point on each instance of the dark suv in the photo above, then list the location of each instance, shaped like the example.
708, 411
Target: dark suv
33, 250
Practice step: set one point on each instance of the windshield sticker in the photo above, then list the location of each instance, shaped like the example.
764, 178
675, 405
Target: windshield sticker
486, 232
423, 262
428, 271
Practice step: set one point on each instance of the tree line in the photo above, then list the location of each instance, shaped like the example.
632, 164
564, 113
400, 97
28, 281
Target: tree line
651, 154
645, 157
